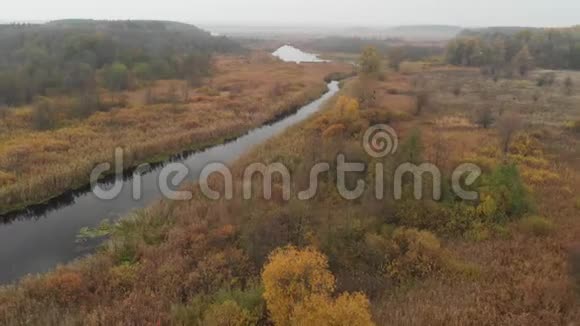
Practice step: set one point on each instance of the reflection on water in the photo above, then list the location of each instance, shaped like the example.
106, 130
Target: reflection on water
44, 236
289, 53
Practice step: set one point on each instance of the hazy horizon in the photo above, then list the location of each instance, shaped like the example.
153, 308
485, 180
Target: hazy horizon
323, 13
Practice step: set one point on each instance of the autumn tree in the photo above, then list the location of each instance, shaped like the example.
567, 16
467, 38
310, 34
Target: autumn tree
290, 277
298, 288
347, 309
414, 254
523, 61
370, 62
348, 108
228, 313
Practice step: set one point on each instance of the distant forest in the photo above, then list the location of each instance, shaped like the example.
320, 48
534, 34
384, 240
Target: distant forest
356, 45
79, 56
514, 49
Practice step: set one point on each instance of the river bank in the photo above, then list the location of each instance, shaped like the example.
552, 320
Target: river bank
36, 167
37, 242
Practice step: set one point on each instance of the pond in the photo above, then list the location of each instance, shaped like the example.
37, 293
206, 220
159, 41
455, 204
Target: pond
289, 53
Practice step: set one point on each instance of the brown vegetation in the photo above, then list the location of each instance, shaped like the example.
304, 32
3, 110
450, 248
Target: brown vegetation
508, 258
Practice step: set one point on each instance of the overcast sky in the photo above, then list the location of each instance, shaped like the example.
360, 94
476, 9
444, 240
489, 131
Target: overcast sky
308, 12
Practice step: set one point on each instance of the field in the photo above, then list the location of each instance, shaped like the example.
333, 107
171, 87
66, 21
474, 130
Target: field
149, 123
509, 258
527, 269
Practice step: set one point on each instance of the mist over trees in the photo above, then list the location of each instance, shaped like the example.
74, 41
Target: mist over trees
77, 56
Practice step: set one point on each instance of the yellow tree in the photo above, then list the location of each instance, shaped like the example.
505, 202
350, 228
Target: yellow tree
348, 108
227, 313
346, 310
291, 276
370, 61
352, 110
298, 288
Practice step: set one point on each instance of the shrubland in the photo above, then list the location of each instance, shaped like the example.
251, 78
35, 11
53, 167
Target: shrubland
508, 257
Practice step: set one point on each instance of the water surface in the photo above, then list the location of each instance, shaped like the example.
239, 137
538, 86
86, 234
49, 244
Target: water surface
289, 53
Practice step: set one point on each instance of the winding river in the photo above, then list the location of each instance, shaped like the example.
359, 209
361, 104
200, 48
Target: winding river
43, 237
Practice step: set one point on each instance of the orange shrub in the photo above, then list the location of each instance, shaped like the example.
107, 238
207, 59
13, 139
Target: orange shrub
346, 310
334, 130
414, 254
65, 287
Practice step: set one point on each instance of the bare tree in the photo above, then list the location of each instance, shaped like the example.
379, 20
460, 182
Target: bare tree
523, 62
396, 55
569, 85
44, 114
366, 92
457, 89
484, 117
149, 97
546, 79
508, 125
172, 96
422, 101
3, 111
185, 92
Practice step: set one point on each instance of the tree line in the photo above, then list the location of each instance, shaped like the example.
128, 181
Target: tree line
355, 45
79, 56
512, 51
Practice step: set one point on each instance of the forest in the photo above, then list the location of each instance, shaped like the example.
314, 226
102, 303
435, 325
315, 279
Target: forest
517, 50
354, 45
76, 57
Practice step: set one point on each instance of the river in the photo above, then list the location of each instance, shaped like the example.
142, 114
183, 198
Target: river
43, 237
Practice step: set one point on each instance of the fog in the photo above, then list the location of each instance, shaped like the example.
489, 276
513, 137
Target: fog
303, 12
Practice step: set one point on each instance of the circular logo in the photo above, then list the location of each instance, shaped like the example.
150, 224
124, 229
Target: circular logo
380, 141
